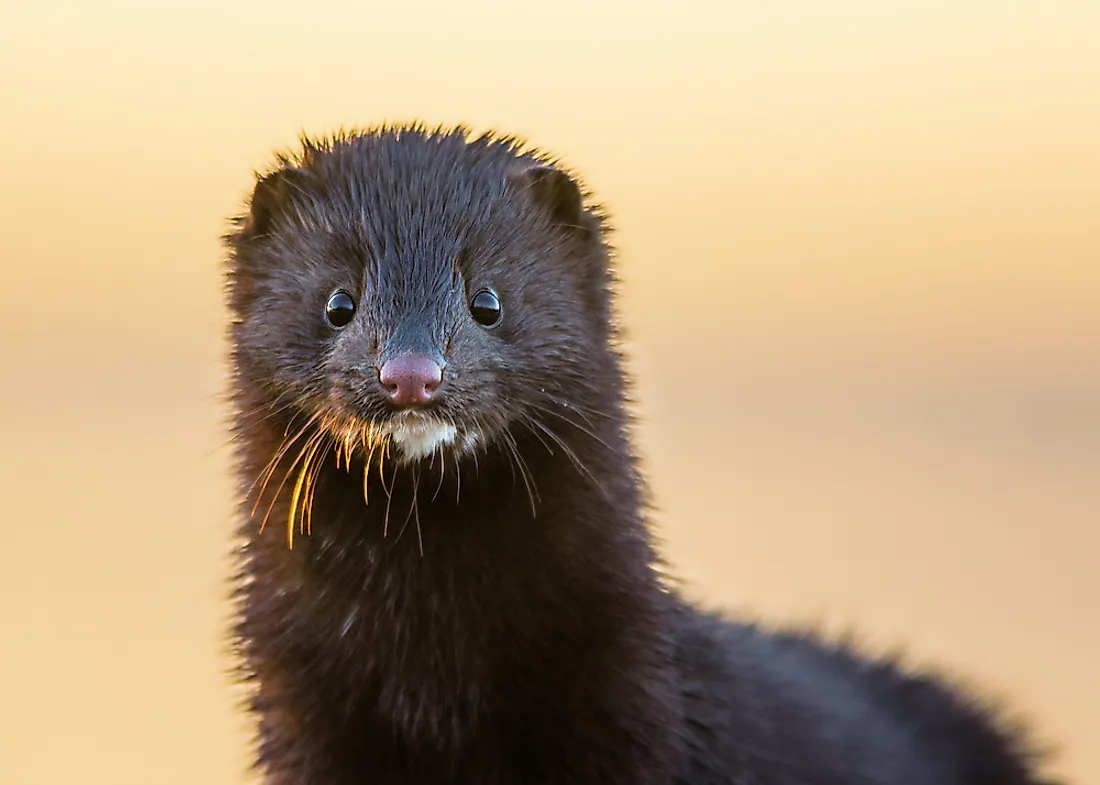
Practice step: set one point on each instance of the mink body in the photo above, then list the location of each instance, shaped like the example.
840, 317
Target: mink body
464, 590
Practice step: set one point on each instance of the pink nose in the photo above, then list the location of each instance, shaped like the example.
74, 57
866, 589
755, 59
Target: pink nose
410, 379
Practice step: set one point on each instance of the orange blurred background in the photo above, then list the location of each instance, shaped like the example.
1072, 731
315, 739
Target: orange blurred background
860, 244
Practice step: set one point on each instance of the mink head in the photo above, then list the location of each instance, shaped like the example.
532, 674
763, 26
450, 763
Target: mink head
419, 291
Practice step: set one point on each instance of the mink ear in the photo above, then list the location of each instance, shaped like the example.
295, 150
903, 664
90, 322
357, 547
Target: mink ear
554, 192
269, 198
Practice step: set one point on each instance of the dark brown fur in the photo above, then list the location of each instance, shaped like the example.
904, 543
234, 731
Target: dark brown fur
494, 615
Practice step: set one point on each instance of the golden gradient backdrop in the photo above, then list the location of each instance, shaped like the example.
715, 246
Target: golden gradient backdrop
860, 243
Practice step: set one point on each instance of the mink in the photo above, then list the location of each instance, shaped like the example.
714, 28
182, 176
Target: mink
446, 571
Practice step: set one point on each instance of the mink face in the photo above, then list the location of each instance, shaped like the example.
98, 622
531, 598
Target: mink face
420, 300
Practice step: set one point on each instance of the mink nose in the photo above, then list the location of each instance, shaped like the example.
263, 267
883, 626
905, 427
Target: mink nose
410, 379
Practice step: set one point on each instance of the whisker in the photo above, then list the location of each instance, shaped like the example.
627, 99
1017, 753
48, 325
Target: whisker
311, 484
576, 425
569, 453
414, 512
389, 500
366, 475
527, 421
458, 479
528, 479
382, 455
348, 444
296, 496
273, 464
272, 407
442, 470
309, 442
241, 432
578, 408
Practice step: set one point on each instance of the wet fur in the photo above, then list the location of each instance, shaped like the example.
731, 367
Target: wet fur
494, 614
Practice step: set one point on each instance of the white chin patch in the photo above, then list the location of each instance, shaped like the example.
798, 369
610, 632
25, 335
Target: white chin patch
419, 437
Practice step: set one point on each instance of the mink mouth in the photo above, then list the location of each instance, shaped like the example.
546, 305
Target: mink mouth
417, 435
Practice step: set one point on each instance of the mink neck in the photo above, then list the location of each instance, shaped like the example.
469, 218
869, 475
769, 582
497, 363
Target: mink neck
468, 604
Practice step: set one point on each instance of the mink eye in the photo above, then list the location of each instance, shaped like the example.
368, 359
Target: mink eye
485, 308
340, 309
